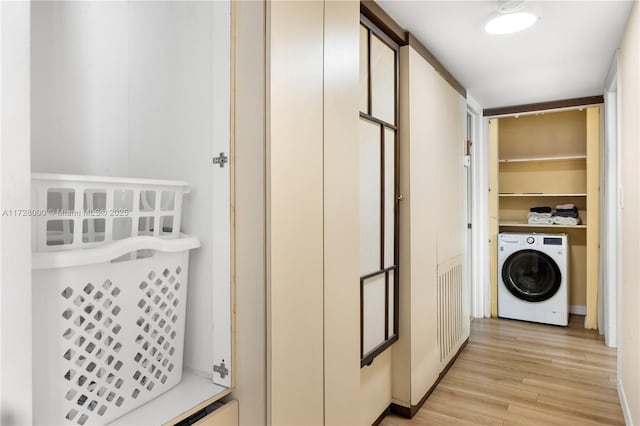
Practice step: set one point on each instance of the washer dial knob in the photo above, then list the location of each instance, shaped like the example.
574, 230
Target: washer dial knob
530, 240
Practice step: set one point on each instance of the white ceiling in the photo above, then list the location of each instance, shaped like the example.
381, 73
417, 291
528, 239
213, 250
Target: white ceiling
565, 55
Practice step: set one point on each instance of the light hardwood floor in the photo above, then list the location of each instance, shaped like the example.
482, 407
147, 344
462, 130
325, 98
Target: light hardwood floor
518, 373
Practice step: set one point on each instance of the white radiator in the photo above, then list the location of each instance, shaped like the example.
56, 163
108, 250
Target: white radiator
450, 307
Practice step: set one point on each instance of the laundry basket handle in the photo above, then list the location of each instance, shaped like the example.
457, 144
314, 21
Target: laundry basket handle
109, 252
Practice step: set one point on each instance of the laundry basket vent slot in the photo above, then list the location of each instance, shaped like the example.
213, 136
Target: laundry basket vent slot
92, 353
158, 307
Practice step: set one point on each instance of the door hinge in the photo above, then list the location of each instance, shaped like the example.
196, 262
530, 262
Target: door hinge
221, 159
221, 369
468, 226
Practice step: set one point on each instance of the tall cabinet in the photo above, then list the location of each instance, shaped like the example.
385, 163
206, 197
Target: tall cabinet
433, 308
95, 91
547, 159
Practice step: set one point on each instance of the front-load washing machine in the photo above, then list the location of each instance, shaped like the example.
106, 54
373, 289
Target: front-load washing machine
533, 277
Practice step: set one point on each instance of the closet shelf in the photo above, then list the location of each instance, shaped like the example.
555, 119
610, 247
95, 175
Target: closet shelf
541, 194
192, 391
530, 225
532, 159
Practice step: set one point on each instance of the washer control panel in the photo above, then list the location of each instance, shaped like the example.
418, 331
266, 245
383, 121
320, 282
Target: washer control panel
531, 241
552, 241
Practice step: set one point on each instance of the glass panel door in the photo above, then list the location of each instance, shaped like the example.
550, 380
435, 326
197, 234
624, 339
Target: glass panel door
378, 191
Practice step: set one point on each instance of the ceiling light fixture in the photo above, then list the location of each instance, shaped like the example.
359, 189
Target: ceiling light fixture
510, 18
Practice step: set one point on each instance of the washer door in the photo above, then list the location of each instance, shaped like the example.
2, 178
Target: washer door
531, 275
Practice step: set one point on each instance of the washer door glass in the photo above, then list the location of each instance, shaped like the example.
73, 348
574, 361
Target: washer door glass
531, 275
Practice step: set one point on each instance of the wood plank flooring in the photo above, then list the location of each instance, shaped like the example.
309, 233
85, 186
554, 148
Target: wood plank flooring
518, 373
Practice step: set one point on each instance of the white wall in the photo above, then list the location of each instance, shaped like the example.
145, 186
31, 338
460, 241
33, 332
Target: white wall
629, 294
15, 247
79, 81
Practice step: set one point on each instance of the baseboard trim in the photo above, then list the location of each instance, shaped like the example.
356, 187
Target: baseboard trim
624, 404
403, 411
610, 338
382, 415
409, 412
578, 309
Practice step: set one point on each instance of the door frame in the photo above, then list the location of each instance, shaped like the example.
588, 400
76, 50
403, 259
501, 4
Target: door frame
468, 260
612, 205
480, 305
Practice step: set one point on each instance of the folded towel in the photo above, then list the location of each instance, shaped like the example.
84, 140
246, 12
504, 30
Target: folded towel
543, 209
540, 221
573, 209
565, 206
539, 215
559, 220
566, 213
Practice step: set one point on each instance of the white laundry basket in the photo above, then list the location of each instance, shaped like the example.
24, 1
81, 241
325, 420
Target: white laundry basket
108, 329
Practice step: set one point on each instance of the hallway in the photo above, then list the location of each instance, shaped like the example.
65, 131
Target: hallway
516, 373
